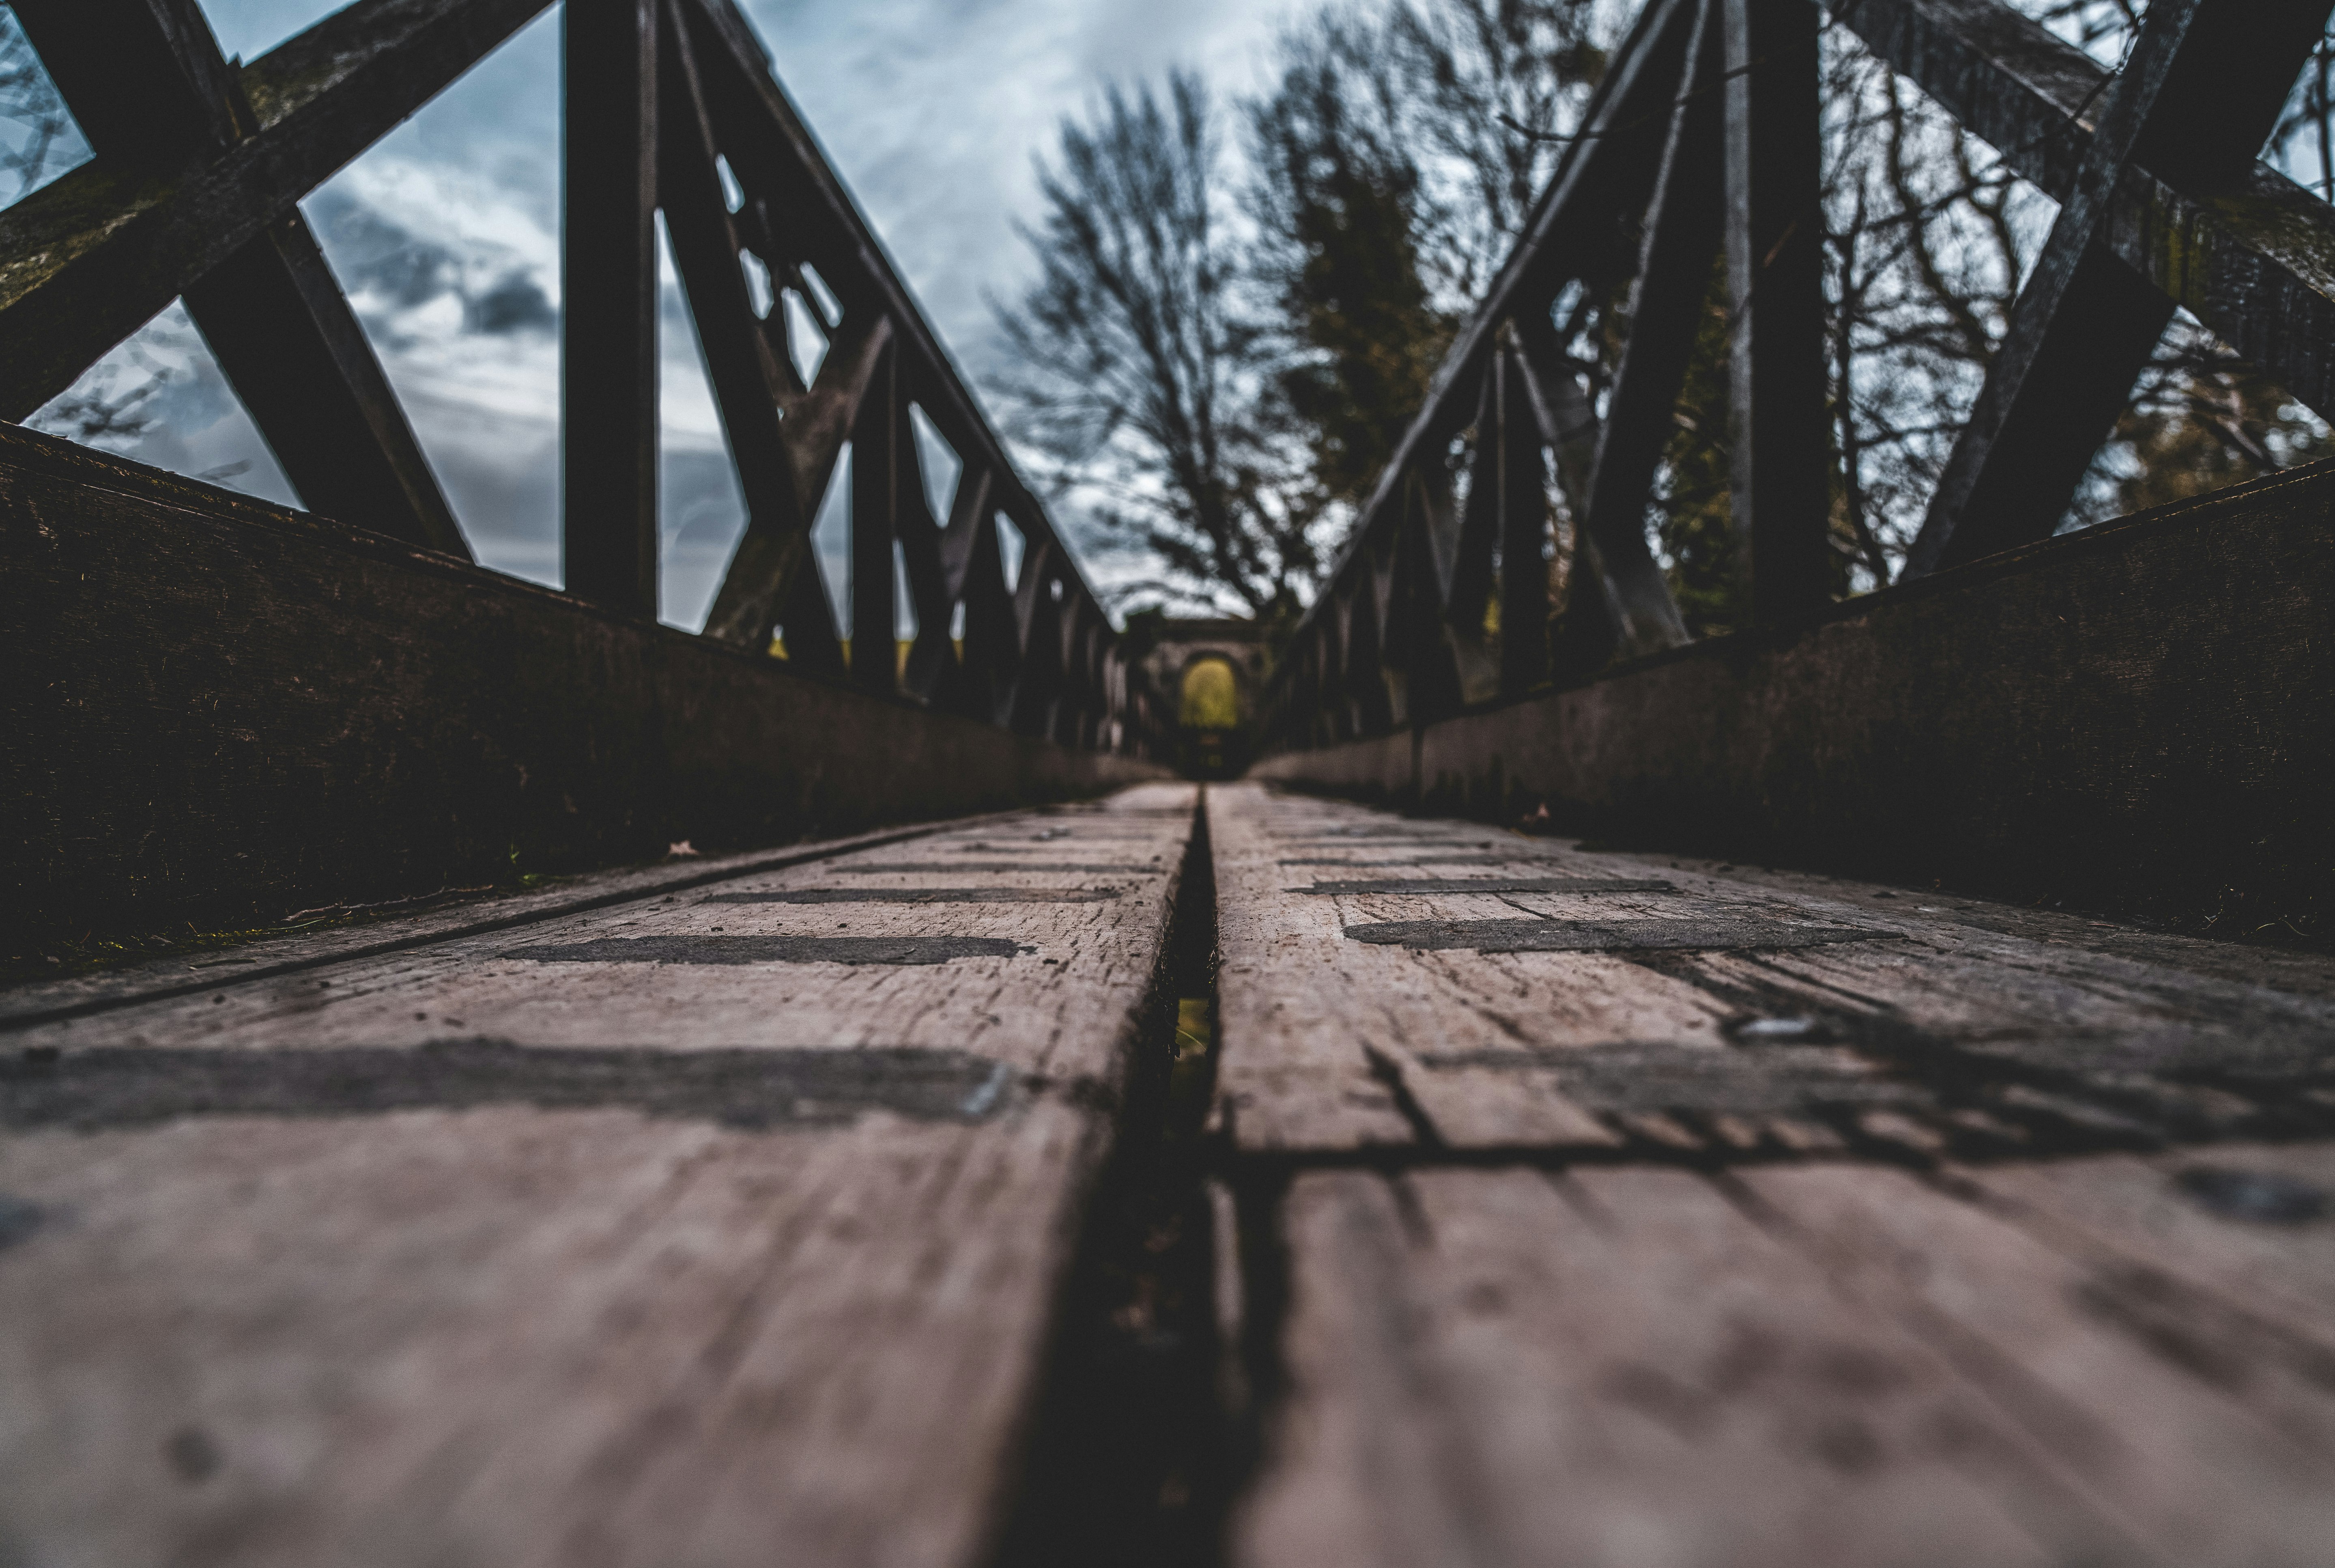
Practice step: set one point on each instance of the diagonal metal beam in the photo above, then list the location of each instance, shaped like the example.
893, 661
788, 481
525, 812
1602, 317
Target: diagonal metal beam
876, 437
1524, 520
771, 149
931, 657
2251, 254
1666, 313
1621, 138
149, 88
2200, 91
748, 386
771, 556
1470, 573
87, 260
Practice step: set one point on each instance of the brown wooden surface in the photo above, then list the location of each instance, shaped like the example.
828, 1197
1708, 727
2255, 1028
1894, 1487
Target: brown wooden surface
1986, 1235
473, 1251
1977, 1023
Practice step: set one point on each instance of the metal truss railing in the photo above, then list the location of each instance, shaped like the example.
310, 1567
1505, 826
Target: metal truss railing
1704, 138
200, 165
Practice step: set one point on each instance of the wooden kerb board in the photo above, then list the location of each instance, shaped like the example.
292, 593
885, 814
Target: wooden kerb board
1606, 1210
719, 1226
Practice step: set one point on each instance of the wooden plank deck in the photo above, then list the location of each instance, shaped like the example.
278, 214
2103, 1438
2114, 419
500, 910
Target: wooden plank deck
724, 1225
1608, 1209
1570, 1207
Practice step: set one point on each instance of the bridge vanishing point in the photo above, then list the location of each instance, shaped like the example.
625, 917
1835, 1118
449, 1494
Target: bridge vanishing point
1587, 1096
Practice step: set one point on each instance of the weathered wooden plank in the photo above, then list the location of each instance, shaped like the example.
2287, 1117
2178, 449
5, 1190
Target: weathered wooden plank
2205, 1430
1617, 1368
1323, 1034
44, 1001
1561, 998
608, 300
2246, 1225
485, 1250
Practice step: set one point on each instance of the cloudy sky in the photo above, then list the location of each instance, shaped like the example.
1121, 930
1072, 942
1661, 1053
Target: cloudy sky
445, 236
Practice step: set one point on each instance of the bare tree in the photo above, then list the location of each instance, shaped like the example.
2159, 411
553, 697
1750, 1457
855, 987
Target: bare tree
1140, 383
1337, 198
1393, 160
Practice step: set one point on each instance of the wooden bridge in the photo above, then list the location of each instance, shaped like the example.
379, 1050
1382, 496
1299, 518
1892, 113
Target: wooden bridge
1587, 1097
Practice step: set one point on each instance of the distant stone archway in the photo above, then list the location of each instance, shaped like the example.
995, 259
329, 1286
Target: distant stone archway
1220, 653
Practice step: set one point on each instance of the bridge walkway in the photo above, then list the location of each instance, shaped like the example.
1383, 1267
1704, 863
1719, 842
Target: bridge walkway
1616, 1208
1552, 1203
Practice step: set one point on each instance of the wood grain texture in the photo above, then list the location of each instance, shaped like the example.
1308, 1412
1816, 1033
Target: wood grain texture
1970, 1027
2241, 1223
533, 1263
1615, 1369
1892, 1310
2209, 1433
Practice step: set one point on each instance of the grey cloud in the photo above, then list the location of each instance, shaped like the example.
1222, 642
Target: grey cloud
375, 256
515, 303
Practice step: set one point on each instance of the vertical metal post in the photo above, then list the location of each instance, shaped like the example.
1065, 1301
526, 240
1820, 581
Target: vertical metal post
992, 656
1523, 534
608, 287
1775, 271
876, 437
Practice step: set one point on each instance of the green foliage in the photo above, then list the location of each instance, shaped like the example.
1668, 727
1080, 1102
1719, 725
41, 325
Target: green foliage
1359, 302
1394, 158
2208, 424
1696, 522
